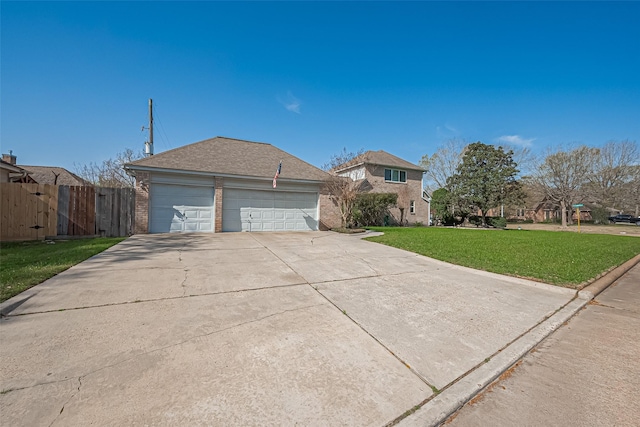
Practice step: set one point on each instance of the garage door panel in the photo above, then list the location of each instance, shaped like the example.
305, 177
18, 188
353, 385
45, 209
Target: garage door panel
179, 208
260, 210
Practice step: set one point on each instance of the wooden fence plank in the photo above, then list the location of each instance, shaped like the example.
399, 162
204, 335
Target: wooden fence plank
64, 211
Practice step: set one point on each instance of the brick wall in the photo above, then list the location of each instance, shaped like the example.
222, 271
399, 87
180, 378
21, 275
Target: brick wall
219, 183
407, 191
142, 203
329, 212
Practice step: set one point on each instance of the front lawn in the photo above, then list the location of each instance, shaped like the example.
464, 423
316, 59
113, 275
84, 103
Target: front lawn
566, 259
25, 264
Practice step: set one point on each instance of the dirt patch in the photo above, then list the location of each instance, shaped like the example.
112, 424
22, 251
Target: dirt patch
619, 229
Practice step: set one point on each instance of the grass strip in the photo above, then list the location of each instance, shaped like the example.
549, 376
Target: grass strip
25, 264
565, 259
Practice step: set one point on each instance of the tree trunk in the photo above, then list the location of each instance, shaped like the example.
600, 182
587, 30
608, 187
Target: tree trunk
563, 212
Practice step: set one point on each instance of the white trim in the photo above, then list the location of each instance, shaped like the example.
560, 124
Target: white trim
215, 174
349, 167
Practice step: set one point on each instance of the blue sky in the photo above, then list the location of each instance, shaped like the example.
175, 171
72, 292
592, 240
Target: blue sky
314, 77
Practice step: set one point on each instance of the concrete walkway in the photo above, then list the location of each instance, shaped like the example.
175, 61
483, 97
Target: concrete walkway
254, 329
586, 374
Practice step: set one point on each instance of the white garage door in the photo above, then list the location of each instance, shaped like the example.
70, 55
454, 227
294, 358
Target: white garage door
259, 210
180, 208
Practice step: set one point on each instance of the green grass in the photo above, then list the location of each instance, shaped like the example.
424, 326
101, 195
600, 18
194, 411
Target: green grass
25, 264
566, 259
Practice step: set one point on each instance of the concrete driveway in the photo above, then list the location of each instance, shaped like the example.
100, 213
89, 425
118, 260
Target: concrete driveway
260, 329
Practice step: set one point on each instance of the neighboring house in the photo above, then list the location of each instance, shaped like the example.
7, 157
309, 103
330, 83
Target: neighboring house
544, 210
53, 175
225, 184
37, 174
386, 173
10, 172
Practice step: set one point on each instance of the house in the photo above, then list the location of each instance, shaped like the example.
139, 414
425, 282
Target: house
386, 173
39, 174
10, 172
226, 184
546, 211
53, 175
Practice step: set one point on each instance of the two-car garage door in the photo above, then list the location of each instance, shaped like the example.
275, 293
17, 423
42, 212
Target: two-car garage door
190, 208
264, 210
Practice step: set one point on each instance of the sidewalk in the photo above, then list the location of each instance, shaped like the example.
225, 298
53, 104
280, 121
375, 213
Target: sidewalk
585, 374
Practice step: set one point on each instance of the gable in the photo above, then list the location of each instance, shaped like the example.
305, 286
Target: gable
378, 158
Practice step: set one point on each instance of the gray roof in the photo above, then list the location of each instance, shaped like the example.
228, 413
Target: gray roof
47, 175
227, 156
381, 158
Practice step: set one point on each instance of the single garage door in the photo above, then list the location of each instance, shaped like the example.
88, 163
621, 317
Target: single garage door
180, 208
259, 210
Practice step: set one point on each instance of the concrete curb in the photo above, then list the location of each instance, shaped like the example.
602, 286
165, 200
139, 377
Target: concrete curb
437, 410
607, 280
440, 408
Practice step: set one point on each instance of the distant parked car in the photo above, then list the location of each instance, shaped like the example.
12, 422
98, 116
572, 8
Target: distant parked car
624, 218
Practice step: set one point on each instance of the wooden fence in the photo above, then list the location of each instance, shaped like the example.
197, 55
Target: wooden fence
37, 211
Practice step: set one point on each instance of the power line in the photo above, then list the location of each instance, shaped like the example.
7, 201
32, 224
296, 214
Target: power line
165, 138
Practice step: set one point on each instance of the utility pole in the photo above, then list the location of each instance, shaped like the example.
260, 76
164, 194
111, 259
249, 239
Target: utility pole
148, 145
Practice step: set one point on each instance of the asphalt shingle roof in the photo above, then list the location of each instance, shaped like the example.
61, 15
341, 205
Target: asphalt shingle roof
381, 158
227, 156
47, 175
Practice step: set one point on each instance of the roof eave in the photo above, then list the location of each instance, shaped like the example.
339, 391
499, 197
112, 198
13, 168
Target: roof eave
131, 167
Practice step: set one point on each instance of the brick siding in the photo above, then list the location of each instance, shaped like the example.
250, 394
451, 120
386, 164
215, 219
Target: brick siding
142, 203
218, 204
407, 191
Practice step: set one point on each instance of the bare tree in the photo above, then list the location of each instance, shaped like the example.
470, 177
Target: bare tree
524, 158
611, 182
561, 176
342, 189
110, 173
632, 190
443, 163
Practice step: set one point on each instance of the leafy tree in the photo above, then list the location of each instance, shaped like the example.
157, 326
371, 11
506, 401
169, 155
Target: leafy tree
110, 173
485, 179
444, 162
562, 175
343, 190
440, 202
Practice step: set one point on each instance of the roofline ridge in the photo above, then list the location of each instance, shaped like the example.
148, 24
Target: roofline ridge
238, 139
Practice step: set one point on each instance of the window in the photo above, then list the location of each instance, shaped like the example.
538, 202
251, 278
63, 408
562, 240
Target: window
395, 175
412, 207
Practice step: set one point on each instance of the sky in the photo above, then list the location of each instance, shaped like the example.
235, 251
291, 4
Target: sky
313, 78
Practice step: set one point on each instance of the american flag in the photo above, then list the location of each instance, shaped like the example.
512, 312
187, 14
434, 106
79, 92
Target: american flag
277, 173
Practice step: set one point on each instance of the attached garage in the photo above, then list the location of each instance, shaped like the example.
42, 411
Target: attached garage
260, 210
225, 184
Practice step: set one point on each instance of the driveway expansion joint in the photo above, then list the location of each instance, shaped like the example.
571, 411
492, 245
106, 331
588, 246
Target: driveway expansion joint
8, 316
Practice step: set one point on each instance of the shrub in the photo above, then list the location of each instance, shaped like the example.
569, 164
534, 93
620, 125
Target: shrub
475, 220
371, 208
600, 215
497, 222
450, 219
